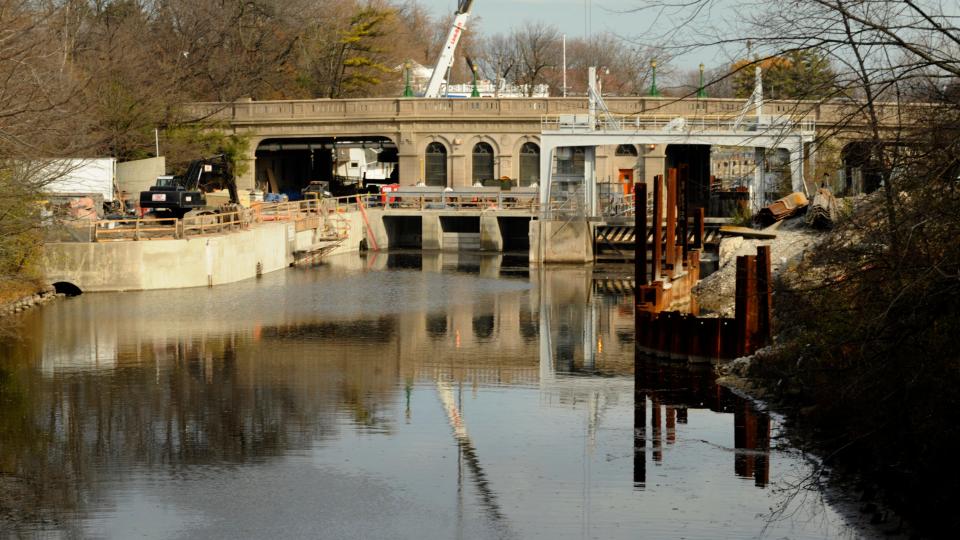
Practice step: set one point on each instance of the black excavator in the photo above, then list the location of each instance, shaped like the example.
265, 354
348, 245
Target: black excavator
180, 195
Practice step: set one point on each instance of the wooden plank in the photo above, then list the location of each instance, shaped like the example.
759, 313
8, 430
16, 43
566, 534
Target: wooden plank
731, 230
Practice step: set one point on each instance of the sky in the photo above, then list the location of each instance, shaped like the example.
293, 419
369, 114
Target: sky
571, 17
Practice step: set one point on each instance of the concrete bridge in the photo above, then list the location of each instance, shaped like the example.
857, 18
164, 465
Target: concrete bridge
457, 142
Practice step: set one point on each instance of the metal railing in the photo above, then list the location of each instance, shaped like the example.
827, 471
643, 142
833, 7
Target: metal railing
680, 124
328, 211
458, 200
329, 214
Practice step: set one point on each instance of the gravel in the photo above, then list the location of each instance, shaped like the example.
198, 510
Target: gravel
715, 293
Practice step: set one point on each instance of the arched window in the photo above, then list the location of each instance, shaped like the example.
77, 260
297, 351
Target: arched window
529, 164
483, 163
627, 150
435, 165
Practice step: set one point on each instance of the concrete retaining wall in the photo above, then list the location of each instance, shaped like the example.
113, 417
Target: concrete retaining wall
390, 230
561, 242
192, 262
357, 233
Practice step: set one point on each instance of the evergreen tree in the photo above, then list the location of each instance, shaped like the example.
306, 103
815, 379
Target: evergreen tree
800, 74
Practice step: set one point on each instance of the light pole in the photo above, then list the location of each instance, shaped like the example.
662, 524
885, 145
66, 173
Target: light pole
475, 93
701, 92
654, 92
407, 89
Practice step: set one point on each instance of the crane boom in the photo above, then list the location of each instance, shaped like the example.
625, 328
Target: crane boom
449, 47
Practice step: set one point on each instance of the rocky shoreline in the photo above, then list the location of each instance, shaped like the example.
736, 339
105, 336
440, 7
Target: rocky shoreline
44, 296
859, 498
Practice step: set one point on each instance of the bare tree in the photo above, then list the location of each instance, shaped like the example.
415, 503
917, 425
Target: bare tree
868, 323
625, 67
538, 51
498, 59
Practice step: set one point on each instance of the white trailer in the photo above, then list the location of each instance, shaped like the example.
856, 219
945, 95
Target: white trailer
87, 177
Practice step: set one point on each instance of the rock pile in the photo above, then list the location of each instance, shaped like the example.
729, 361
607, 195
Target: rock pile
48, 294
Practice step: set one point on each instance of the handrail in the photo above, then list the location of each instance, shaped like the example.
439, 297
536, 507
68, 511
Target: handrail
215, 223
679, 123
330, 210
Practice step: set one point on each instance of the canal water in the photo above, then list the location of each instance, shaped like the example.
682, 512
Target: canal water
388, 396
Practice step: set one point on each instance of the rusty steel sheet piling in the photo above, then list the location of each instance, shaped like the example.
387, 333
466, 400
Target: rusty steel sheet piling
764, 287
671, 239
657, 227
640, 236
698, 227
683, 178
746, 303
684, 336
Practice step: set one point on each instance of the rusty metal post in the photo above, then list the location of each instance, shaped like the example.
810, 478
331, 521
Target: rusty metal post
683, 178
698, 221
671, 240
640, 234
764, 295
657, 226
746, 304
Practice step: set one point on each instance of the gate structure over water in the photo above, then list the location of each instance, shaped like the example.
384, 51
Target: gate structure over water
570, 192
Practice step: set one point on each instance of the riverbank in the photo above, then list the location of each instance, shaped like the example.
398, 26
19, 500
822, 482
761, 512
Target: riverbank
865, 374
20, 295
861, 496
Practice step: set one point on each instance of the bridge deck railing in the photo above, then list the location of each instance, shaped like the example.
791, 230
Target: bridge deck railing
579, 123
420, 199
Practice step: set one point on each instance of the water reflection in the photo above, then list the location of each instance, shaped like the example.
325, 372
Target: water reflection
389, 396
667, 393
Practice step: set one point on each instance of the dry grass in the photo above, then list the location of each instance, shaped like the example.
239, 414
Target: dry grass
12, 290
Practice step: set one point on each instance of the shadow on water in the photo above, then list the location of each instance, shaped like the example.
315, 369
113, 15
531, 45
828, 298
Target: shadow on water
336, 390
